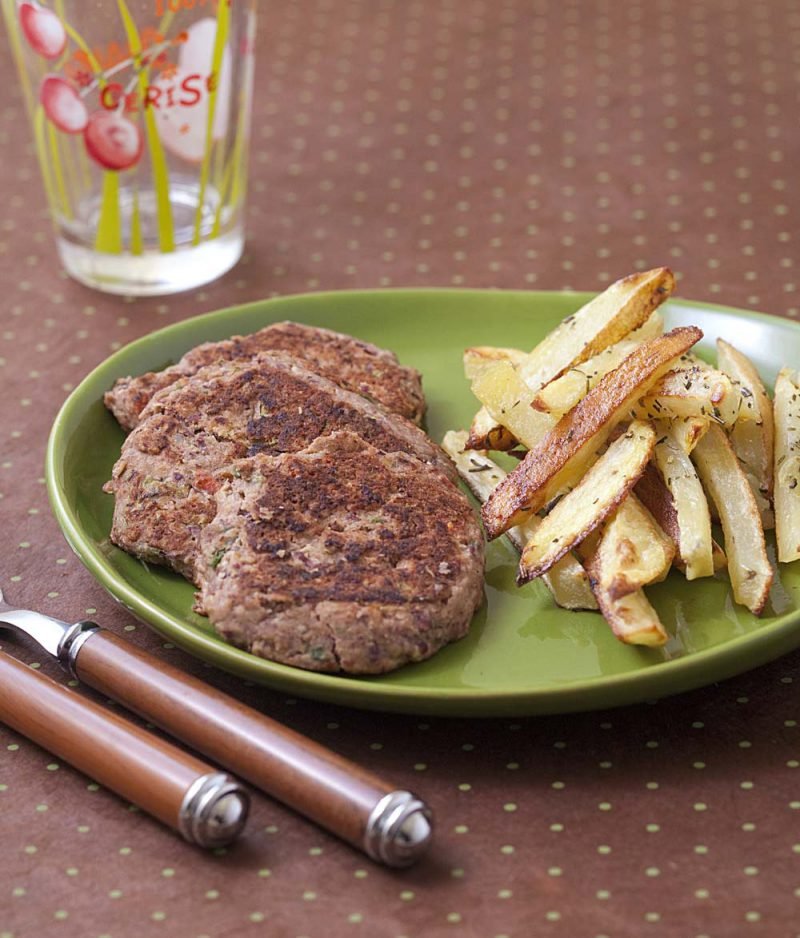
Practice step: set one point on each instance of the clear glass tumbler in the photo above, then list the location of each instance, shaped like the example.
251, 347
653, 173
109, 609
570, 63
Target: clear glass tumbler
140, 112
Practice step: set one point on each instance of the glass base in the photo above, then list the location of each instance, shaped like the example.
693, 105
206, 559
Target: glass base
152, 273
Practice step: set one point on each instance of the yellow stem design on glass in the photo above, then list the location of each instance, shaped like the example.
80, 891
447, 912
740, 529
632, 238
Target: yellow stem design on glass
108, 237
234, 171
62, 199
77, 162
137, 244
39, 131
35, 111
223, 26
222, 188
109, 225
158, 161
10, 16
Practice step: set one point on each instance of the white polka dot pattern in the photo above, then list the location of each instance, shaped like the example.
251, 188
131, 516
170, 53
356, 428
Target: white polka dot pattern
518, 144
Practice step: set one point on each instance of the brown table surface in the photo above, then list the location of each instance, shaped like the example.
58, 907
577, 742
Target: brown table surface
510, 144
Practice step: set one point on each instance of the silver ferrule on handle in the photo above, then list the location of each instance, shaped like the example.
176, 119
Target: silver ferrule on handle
71, 643
399, 829
214, 811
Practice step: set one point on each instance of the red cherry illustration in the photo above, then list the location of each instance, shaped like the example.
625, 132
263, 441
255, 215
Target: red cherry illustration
43, 29
63, 105
112, 140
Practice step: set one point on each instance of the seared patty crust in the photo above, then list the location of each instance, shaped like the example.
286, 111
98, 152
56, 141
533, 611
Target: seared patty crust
340, 557
356, 366
193, 431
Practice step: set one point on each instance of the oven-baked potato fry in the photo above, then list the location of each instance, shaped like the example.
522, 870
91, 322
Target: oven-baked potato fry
633, 551
787, 465
691, 391
722, 477
563, 393
563, 454
480, 358
567, 581
604, 320
598, 493
486, 433
753, 435
632, 618
685, 504
689, 529
508, 399
686, 431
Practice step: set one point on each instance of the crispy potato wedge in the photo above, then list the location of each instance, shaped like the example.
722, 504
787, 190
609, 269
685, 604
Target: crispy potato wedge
480, 358
787, 464
744, 399
686, 431
562, 455
632, 618
580, 511
753, 439
486, 433
634, 550
604, 320
722, 476
562, 394
680, 504
567, 581
685, 527
507, 399
691, 391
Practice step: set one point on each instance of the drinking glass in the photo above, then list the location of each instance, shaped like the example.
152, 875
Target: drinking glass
140, 111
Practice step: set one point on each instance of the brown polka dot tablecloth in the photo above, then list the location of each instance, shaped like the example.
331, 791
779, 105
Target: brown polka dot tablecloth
514, 144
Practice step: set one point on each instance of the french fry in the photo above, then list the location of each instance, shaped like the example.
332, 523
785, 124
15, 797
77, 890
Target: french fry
787, 465
606, 405
691, 391
508, 399
604, 320
480, 358
692, 518
722, 476
687, 431
558, 459
632, 618
598, 493
753, 438
683, 518
486, 433
562, 394
567, 581
634, 550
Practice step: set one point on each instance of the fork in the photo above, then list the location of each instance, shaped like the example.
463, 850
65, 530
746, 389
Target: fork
391, 826
204, 805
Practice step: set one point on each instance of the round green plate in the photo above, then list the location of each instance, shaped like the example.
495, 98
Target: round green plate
522, 655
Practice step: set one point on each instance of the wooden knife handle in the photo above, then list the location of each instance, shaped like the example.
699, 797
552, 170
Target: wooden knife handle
144, 769
323, 786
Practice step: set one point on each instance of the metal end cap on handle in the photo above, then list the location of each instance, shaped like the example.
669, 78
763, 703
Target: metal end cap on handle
399, 829
214, 810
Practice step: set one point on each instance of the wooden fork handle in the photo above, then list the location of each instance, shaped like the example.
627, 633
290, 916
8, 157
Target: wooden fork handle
144, 769
334, 792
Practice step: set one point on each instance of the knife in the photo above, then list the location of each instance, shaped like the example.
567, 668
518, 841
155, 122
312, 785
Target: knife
391, 826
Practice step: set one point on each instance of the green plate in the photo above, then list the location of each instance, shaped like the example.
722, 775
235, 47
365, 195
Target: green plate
523, 655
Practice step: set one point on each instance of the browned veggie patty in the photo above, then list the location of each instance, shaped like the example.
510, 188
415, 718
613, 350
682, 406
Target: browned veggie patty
322, 530
355, 365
